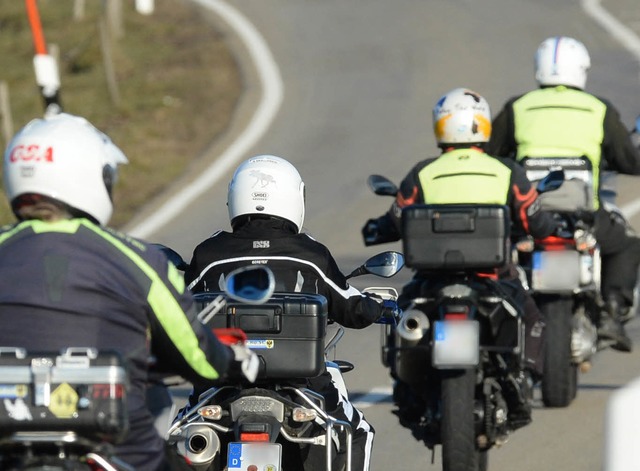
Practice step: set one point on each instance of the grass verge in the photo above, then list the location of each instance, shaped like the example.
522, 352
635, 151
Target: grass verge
177, 80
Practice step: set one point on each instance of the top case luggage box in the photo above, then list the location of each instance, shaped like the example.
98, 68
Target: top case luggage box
576, 192
456, 237
78, 390
287, 332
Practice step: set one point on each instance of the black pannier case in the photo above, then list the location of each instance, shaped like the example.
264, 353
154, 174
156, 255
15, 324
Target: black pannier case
287, 332
456, 237
79, 390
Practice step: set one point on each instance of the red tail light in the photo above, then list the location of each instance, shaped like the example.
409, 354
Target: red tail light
556, 243
254, 437
456, 313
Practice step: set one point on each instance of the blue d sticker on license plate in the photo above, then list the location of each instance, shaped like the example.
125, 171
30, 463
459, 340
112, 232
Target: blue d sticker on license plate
254, 456
456, 344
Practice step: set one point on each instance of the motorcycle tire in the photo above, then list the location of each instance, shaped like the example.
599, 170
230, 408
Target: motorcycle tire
560, 378
457, 428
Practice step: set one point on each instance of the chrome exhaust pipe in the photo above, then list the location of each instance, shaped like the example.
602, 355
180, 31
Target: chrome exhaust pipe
199, 444
412, 327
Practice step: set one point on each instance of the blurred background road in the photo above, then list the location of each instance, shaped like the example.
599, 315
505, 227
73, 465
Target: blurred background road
359, 81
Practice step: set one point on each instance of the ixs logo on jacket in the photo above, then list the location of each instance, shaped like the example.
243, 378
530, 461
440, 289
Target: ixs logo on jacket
260, 244
31, 153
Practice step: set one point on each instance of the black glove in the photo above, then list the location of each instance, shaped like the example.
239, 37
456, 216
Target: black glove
379, 231
390, 312
562, 227
370, 232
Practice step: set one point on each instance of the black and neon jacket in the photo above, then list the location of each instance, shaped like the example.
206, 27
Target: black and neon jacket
74, 283
299, 262
470, 176
564, 122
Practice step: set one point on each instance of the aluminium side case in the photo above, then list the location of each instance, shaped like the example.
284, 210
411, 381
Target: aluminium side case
76, 390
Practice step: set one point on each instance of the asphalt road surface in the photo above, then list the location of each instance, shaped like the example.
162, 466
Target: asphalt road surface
360, 79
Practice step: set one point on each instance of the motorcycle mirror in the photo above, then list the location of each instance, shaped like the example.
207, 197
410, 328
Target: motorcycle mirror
173, 256
382, 185
250, 284
552, 181
385, 264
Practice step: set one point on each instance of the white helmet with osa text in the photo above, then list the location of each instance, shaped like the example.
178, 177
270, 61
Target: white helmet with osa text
65, 158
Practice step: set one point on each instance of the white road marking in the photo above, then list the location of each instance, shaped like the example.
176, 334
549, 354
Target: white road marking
272, 96
374, 396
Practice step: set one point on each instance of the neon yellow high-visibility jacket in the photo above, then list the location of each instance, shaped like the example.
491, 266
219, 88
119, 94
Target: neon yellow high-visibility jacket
564, 122
468, 175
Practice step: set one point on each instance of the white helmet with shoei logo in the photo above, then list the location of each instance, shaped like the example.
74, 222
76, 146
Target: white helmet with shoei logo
63, 157
562, 60
461, 117
267, 185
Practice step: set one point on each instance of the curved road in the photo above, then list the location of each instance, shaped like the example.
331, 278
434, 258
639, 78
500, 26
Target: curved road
360, 78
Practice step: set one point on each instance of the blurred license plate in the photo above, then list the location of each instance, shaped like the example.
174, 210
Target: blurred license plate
456, 343
254, 456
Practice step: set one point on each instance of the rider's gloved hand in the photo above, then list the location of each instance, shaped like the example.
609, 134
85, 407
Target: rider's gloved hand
390, 312
245, 363
370, 232
379, 231
562, 227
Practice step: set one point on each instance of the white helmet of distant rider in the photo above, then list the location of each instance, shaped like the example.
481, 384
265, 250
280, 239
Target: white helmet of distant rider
267, 185
461, 117
562, 60
65, 158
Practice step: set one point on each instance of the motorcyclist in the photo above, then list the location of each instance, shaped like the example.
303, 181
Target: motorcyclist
560, 119
464, 173
266, 202
67, 280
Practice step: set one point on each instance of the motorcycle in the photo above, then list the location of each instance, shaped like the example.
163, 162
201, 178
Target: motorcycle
456, 353
65, 411
563, 274
277, 422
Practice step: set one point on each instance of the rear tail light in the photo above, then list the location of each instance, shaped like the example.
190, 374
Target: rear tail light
254, 437
456, 313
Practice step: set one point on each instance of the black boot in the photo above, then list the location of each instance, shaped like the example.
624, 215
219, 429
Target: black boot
519, 398
610, 328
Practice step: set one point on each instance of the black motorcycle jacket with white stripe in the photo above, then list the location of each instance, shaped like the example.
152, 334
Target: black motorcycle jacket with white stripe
299, 262
75, 283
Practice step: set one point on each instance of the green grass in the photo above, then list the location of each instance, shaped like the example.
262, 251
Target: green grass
177, 80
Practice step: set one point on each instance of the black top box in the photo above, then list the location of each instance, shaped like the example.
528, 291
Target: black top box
456, 237
287, 332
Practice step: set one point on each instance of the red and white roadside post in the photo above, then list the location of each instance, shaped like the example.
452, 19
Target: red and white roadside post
44, 64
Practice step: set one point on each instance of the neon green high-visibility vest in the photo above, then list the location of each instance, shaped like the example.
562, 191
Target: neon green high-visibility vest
465, 176
560, 122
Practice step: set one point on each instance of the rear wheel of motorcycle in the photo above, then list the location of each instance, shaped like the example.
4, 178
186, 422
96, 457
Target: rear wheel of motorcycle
458, 430
560, 378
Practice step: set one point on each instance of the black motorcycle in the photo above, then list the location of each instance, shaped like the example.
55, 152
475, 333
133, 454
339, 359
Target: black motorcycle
457, 351
276, 423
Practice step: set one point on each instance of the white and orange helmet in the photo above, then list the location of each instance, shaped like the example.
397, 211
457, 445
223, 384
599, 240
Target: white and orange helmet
461, 117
